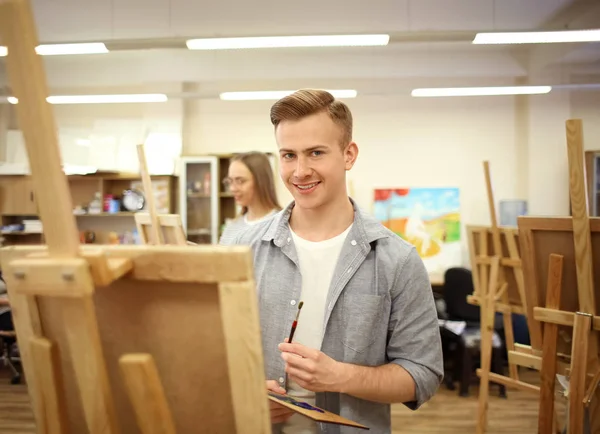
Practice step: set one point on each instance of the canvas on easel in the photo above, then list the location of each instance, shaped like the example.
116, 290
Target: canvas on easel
123, 339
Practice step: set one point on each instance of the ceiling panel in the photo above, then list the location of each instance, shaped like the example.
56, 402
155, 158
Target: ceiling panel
440, 15
273, 17
181, 66
72, 20
589, 53
141, 19
524, 15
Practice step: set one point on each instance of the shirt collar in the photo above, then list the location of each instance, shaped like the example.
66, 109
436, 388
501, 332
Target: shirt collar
365, 227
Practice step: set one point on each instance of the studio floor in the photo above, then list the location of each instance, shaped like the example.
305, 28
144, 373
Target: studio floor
446, 413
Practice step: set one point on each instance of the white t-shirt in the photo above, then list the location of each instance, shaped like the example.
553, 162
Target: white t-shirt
317, 264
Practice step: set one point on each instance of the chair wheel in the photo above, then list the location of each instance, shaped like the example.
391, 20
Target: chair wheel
15, 380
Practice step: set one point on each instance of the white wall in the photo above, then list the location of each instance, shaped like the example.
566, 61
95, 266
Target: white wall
105, 136
426, 142
403, 141
548, 171
586, 106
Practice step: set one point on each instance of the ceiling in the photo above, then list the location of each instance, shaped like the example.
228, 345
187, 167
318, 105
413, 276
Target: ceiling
430, 44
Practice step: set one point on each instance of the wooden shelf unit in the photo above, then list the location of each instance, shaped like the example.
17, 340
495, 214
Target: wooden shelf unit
18, 202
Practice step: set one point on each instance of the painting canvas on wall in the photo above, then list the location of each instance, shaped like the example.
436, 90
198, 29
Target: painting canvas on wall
428, 218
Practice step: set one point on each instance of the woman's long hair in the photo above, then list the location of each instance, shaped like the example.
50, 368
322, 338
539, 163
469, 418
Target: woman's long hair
264, 186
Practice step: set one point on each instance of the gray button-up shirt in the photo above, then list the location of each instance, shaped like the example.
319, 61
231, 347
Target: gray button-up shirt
380, 309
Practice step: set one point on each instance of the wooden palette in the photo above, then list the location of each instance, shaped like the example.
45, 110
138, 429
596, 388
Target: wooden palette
312, 412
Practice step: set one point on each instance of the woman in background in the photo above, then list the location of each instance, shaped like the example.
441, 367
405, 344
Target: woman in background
250, 180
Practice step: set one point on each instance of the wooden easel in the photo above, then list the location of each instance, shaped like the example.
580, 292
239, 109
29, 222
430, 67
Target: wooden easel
498, 287
123, 339
156, 228
560, 255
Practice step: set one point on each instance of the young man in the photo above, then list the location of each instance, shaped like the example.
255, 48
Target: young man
368, 333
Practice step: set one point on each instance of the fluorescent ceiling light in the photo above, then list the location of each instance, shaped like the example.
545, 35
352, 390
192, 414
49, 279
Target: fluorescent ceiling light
81, 48
592, 35
277, 94
481, 91
64, 49
101, 99
287, 42
104, 99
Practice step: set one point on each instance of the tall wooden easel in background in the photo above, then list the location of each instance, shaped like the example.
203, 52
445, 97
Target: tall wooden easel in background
156, 228
567, 250
499, 286
105, 331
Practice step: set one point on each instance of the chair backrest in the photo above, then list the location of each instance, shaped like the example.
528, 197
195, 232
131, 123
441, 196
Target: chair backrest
458, 285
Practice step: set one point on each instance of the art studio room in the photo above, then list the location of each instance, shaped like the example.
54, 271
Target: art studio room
311, 217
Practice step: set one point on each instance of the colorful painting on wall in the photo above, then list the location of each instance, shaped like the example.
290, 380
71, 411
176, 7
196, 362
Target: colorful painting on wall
428, 218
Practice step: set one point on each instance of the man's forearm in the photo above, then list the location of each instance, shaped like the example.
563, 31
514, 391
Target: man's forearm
389, 383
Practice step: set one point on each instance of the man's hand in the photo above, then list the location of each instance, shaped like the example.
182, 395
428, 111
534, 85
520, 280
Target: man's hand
312, 369
279, 413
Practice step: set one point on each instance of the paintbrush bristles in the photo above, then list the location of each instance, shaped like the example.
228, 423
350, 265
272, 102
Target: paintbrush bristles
299, 307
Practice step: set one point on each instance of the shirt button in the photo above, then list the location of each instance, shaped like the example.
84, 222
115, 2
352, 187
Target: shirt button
353, 242
293, 302
281, 380
288, 240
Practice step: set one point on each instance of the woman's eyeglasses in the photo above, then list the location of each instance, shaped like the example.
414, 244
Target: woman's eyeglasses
238, 182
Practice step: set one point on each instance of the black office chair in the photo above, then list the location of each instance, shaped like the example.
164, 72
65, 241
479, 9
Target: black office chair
463, 349
9, 354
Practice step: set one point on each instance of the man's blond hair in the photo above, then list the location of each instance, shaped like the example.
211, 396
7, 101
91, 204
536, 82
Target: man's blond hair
306, 102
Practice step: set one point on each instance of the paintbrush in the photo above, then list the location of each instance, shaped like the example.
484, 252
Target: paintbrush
295, 323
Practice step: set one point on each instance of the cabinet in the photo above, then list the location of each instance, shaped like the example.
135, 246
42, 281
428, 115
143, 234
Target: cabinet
17, 196
199, 198
592, 168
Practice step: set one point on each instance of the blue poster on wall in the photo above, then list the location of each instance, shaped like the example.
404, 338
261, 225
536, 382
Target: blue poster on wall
510, 210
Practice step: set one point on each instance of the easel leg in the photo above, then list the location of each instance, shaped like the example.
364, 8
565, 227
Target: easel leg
51, 402
146, 394
487, 333
243, 343
510, 343
577, 382
550, 338
594, 408
81, 328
